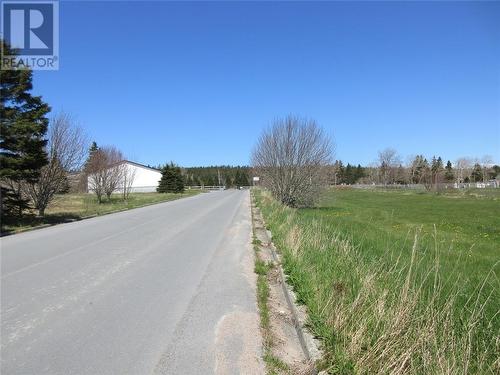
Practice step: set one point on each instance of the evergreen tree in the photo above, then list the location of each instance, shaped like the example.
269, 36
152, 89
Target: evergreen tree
348, 174
360, 173
245, 179
189, 180
172, 180
419, 170
23, 127
340, 172
494, 172
477, 173
210, 181
209, 176
93, 148
228, 180
241, 178
401, 177
237, 178
448, 174
436, 170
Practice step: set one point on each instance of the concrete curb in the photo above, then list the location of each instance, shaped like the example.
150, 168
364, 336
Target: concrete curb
309, 345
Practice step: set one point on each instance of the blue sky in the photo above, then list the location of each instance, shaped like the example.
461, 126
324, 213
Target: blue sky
197, 82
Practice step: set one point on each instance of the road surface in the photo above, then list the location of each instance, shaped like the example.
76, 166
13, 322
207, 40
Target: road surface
163, 289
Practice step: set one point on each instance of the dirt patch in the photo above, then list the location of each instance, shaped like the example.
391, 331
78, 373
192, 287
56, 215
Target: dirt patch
285, 354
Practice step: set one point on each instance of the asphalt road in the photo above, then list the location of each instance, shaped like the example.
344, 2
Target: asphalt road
163, 289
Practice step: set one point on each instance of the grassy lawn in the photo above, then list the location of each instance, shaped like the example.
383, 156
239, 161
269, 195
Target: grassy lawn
67, 207
397, 281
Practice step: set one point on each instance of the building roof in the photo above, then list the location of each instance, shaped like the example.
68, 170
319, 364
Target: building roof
140, 165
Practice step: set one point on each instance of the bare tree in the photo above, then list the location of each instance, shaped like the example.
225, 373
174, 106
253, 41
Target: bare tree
463, 166
96, 171
486, 162
371, 174
116, 169
127, 181
66, 150
410, 168
291, 157
388, 164
105, 171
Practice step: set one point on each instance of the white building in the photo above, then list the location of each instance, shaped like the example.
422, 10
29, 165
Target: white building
139, 178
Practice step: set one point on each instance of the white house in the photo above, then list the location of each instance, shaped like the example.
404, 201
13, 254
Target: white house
137, 177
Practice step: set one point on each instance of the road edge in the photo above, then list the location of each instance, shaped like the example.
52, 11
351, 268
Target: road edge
309, 345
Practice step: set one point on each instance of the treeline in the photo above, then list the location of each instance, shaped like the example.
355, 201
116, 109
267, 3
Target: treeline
389, 169
348, 174
224, 175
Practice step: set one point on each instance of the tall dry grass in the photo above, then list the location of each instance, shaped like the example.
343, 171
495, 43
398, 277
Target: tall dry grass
397, 314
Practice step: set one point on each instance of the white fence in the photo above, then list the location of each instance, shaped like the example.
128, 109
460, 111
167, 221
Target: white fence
205, 187
469, 185
138, 189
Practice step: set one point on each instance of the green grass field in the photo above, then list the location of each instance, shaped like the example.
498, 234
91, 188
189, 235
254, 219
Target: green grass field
66, 207
397, 281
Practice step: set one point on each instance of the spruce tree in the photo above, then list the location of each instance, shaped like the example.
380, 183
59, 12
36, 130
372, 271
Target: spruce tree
348, 174
245, 180
23, 127
448, 174
210, 181
340, 172
477, 173
436, 169
172, 180
360, 173
229, 181
209, 176
495, 172
237, 178
93, 148
419, 169
241, 178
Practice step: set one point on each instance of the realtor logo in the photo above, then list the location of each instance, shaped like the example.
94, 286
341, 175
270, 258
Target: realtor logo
32, 29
